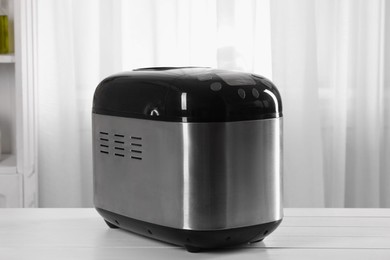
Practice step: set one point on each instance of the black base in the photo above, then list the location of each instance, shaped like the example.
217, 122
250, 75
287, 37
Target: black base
192, 240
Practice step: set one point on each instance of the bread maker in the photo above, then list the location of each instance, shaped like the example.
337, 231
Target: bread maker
190, 156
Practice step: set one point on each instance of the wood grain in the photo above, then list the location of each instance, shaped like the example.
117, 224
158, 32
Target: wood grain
303, 234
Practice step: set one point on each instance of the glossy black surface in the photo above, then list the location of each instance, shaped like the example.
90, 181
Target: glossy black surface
188, 95
192, 240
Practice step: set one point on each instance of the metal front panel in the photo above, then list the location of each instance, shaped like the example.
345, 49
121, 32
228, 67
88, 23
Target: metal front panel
197, 176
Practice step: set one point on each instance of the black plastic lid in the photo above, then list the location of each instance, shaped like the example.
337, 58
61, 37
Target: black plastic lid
188, 94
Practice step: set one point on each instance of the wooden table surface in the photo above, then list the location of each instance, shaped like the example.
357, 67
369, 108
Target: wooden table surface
304, 234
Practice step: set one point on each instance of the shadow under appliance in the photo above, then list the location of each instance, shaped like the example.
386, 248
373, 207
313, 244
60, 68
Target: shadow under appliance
191, 156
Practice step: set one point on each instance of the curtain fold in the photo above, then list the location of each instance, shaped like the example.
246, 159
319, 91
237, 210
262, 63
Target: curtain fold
340, 50
294, 67
354, 124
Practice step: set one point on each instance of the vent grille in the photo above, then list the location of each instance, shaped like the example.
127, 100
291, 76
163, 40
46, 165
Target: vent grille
136, 147
120, 145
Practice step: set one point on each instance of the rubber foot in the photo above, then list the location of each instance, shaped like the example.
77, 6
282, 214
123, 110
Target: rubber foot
193, 249
110, 224
256, 241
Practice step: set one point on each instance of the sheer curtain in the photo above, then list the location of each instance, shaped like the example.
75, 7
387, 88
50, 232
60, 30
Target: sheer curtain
328, 59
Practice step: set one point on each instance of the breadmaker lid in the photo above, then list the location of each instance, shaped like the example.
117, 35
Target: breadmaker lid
188, 94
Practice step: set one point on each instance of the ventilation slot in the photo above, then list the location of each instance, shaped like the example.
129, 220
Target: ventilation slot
104, 141
135, 149
119, 148
121, 145
136, 154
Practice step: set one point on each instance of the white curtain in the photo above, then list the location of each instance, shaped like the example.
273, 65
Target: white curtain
328, 60
351, 85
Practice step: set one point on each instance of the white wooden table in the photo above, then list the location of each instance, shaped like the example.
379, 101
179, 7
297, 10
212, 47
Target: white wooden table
304, 234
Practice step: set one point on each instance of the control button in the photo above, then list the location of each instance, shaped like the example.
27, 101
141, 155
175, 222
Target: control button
241, 93
216, 86
255, 93
154, 112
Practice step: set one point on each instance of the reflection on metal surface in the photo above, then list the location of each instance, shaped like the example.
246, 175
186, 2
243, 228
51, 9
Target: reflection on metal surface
186, 179
198, 176
183, 101
274, 98
278, 166
154, 112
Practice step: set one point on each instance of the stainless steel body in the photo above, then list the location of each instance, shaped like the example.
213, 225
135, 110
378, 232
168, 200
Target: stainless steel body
197, 176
